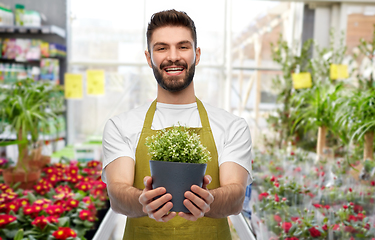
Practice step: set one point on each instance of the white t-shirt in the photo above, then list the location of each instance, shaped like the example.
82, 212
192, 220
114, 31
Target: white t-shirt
231, 133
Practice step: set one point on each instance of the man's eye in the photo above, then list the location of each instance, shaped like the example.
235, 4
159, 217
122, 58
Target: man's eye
160, 49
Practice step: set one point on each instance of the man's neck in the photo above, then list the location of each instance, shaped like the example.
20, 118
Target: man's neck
185, 96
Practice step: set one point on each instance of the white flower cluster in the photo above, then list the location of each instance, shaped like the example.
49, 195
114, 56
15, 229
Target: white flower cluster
177, 144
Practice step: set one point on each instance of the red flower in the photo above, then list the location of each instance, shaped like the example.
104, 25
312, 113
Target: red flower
325, 227
276, 184
40, 222
262, 195
94, 163
291, 238
336, 227
5, 219
357, 208
73, 170
55, 210
349, 229
72, 203
277, 199
317, 205
367, 226
84, 186
314, 232
87, 200
277, 218
86, 215
63, 233
345, 207
352, 218
273, 179
32, 211
286, 226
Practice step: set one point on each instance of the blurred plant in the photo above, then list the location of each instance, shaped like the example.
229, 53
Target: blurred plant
291, 61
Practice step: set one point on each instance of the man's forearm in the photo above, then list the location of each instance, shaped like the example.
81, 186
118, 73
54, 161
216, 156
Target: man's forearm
228, 200
124, 200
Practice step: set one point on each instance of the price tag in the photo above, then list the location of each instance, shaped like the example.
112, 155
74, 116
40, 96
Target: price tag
301, 80
339, 71
73, 86
95, 82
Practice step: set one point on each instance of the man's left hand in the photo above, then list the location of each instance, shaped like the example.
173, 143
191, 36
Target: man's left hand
197, 201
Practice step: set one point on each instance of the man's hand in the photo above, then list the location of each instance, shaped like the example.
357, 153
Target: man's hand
151, 206
197, 201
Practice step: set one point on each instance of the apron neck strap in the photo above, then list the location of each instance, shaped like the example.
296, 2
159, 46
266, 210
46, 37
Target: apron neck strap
202, 114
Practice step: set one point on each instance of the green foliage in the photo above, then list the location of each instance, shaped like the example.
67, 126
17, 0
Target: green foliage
291, 61
367, 50
356, 112
324, 57
177, 144
25, 105
315, 107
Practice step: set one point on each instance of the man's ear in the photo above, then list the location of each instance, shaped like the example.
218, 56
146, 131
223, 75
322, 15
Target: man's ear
197, 56
148, 58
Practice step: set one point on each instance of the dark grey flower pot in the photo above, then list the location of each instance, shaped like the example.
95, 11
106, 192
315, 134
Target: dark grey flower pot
177, 178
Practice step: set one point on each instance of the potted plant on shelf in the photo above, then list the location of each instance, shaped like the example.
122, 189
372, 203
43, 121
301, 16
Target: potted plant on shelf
178, 161
24, 108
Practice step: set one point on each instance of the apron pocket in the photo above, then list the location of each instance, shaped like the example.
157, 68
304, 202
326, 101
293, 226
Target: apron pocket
184, 233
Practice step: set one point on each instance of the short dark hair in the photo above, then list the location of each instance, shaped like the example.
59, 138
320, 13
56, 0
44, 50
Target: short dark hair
170, 18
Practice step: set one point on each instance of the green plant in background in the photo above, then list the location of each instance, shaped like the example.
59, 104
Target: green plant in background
325, 57
367, 50
315, 109
291, 61
177, 144
25, 105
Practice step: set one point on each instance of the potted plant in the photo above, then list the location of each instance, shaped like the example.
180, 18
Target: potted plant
24, 108
178, 161
315, 109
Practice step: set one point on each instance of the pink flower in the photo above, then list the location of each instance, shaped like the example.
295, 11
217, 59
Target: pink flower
277, 218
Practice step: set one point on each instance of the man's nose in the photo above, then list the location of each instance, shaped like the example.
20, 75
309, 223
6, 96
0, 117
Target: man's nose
173, 55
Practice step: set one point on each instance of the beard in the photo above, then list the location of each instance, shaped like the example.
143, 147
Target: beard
174, 83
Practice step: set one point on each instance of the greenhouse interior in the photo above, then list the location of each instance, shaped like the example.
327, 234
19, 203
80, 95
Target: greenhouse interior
300, 74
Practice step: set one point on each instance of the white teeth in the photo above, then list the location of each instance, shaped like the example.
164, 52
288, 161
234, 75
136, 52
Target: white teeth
173, 69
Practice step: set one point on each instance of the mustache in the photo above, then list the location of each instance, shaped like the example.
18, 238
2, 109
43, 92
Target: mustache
170, 63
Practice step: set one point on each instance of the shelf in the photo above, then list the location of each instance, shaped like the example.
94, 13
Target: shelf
34, 30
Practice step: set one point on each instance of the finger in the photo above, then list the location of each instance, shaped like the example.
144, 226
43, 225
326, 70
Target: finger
203, 194
147, 181
148, 195
157, 203
162, 212
188, 216
206, 180
168, 217
200, 205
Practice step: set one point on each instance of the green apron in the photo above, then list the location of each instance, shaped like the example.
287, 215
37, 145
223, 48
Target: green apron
178, 228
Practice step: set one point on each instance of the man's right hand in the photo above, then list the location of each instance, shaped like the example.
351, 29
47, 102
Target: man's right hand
151, 206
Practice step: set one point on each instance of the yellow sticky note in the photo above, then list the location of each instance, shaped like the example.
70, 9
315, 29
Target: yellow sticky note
301, 80
73, 86
95, 82
339, 71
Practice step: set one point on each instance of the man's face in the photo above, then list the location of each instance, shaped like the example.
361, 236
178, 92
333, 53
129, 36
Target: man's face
173, 57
